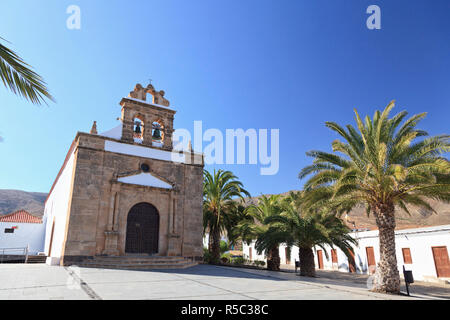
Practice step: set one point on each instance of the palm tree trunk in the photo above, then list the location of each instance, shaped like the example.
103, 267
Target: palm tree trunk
307, 265
273, 259
214, 243
387, 277
210, 241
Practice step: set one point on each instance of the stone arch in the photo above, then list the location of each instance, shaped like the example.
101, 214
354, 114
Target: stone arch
138, 127
158, 125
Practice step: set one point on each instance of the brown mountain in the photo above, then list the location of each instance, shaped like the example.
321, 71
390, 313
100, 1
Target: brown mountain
418, 217
12, 200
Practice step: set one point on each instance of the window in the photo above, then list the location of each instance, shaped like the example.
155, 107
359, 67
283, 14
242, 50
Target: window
9, 230
145, 167
407, 259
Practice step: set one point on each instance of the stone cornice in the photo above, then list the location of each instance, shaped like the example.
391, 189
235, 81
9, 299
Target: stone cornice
146, 104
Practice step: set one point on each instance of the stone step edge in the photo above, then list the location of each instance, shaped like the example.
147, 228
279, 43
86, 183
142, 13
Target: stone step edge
134, 263
140, 267
130, 259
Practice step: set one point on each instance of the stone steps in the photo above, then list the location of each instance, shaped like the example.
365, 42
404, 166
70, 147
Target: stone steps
137, 262
136, 259
36, 259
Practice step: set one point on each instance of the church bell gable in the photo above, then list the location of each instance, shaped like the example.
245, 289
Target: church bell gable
145, 122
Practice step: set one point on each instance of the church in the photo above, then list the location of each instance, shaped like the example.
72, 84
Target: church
126, 193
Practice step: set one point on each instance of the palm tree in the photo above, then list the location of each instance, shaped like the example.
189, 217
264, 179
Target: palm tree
219, 192
254, 226
382, 166
306, 229
20, 79
236, 215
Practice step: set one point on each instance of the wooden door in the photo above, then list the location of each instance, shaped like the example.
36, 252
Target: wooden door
142, 229
407, 258
320, 259
334, 258
370, 259
441, 261
287, 252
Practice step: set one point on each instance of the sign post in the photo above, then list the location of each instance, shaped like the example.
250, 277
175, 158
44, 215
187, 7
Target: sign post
407, 274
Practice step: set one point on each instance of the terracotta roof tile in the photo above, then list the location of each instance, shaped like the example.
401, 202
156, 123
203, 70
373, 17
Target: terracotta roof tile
20, 216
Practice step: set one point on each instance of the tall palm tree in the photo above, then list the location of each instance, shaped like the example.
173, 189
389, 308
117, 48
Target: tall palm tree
382, 165
17, 75
254, 226
236, 215
220, 190
306, 229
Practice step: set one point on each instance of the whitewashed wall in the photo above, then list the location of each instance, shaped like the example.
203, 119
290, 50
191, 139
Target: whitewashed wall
31, 234
419, 240
56, 209
206, 240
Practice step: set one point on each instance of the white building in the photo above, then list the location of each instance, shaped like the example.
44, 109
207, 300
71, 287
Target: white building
20, 229
56, 207
422, 250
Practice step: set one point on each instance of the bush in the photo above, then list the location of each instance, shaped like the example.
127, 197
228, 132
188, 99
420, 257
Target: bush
239, 260
259, 263
223, 246
206, 255
225, 258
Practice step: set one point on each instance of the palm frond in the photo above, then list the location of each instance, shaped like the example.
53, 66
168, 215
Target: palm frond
17, 75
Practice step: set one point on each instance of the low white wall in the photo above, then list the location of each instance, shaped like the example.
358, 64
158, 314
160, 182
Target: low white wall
31, 234
419, 240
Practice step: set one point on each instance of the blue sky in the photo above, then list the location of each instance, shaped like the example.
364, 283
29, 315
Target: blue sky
290, 65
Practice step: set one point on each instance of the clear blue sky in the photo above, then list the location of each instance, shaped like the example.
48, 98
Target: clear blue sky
290, 65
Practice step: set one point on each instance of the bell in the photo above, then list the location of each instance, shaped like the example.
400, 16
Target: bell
156, 134
138, 129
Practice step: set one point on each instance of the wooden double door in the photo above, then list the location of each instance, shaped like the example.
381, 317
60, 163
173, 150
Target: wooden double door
142, 229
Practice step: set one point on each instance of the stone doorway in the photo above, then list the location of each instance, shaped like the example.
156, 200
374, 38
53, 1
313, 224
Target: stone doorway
142, 229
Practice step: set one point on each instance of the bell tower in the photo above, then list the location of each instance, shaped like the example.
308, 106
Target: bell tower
144, 122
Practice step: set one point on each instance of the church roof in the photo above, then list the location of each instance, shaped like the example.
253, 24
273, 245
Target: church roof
20, 216
115, 133
145, 179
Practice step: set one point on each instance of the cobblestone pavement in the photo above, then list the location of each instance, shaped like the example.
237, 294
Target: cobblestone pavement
202, 282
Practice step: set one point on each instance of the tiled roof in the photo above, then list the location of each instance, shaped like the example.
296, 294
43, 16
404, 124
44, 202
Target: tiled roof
20, 216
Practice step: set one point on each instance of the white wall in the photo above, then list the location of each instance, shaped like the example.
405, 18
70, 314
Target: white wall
56, 209
255, 256
419, 240
31, 234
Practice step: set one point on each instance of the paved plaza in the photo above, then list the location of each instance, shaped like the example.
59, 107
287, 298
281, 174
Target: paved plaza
201, 282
